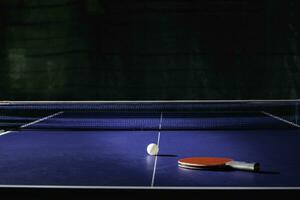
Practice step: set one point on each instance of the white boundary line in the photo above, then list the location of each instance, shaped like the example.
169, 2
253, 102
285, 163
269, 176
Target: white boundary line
148, 187
158, 140
42, 119
34, 122
4, 133
280, 119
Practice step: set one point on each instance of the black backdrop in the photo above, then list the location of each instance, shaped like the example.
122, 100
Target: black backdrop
154, 49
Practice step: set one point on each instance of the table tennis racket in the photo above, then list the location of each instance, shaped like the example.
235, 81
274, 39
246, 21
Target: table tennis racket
216, 163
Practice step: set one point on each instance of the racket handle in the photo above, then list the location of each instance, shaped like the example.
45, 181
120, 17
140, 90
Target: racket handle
244, 165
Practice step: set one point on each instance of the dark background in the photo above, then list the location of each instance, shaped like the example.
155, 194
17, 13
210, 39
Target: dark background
149, 49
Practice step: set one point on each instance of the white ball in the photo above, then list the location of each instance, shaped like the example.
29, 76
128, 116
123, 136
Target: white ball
152, 149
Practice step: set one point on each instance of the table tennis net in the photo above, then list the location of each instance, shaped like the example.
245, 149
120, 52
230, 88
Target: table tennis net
148, 116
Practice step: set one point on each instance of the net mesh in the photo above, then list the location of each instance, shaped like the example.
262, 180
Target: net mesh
149, 116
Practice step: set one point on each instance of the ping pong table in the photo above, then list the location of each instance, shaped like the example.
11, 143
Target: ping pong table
103, 144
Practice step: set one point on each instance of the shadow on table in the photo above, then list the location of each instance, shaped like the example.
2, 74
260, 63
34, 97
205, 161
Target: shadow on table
167, 155
228, 169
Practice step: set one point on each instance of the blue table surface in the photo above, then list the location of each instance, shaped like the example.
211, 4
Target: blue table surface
34, 157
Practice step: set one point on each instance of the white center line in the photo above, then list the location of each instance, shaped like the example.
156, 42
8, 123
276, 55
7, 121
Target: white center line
159, 128
280, 119
158, 140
